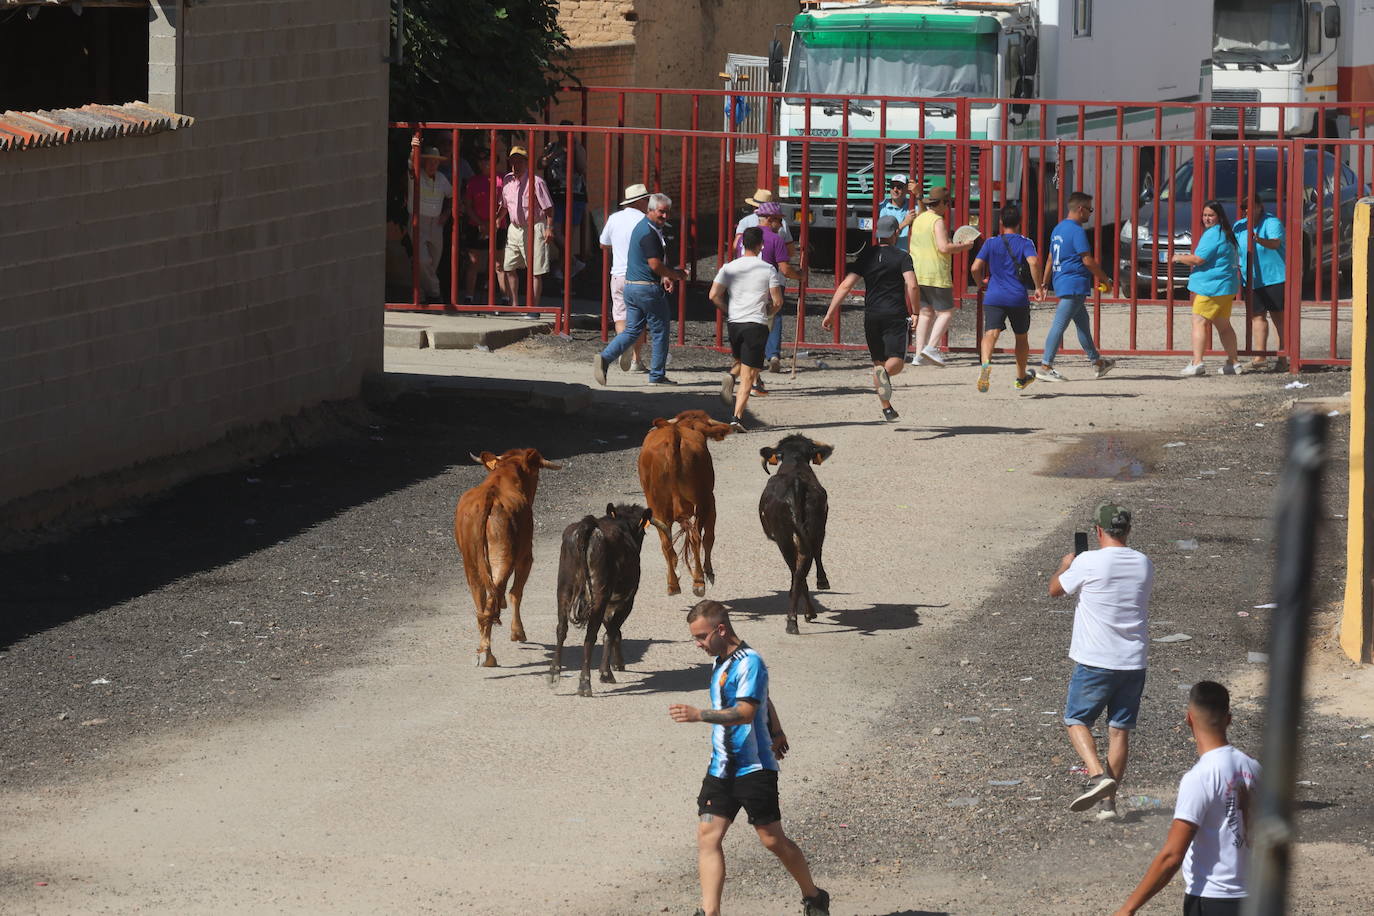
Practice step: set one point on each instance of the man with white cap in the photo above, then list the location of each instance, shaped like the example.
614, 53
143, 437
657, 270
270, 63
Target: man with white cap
615, 238
435, 192
890, 301
898, 206
531, 227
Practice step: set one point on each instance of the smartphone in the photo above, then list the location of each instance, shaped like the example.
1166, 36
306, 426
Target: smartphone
1080, 542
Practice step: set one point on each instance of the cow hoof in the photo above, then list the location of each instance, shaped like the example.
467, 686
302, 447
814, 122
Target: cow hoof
810, 617
553, 679
711, 576
517, 636
608, 678
674, 590
489, 661
699, 590
584, 689
620, 667
792, 628
823, 584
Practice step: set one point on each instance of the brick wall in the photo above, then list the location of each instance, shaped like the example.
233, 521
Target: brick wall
159, 292
596, 22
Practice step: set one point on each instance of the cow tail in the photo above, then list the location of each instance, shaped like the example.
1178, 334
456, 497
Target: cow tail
484, 572
581, 590
798, 506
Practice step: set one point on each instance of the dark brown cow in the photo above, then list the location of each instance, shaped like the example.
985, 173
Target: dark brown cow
598, 576
793, 510
679, 486
494, 528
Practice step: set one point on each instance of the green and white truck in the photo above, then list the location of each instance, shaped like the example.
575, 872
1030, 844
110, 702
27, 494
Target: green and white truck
931, 54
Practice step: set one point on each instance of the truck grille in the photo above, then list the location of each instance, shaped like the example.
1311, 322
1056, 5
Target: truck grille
929, 160
1230, 117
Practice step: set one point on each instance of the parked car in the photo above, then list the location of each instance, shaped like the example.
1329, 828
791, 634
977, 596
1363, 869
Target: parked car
1328, 186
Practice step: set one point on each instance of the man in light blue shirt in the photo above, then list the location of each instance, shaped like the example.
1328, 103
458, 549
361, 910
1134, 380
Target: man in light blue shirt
1263, 277
898, 206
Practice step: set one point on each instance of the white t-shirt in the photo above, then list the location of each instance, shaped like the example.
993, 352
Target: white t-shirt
433, 191
750, 281
1214, 795
616, 233
753, 220
1111, 625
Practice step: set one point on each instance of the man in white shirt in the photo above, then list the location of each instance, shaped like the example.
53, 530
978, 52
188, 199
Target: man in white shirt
1110, 639
435, 192
615, 238
1210, 834
749, 291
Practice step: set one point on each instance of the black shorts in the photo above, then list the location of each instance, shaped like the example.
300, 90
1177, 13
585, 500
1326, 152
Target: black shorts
887, 336
1267, 299
996, 317
1211, 906
756, 793
747, 342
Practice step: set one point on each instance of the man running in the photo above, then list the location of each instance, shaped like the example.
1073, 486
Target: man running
748, 290
890, 297
1006, 300
747, 741
1210, 834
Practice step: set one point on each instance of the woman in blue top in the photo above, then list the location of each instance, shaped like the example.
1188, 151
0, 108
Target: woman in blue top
1213, 283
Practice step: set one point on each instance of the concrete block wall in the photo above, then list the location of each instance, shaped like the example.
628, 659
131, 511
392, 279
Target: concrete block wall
157, 293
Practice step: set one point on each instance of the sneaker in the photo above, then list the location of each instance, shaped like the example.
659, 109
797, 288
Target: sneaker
1258, 363
758, 390
775, 364
889, 414
1051, 374
932, 355
727, 390
1281, 364
467, 300
599, 368
1106, 810
884, 383
662, 381
818, 905
1022, 384
1104, 366
1229, 369
1193, 370
625, 359
738, 425
984, 378
637, 366
1097, 788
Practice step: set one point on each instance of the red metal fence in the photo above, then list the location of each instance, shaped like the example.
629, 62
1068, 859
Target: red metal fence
1314, 182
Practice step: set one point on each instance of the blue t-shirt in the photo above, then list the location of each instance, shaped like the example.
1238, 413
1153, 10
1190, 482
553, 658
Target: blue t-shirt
888, 208
1216, 275
1268, 261
645, 243
1068, 244
738, 750
1001, 254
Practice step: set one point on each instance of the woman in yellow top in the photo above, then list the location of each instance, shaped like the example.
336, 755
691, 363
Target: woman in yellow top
931, 248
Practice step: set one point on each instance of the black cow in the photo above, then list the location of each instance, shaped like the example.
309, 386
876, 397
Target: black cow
598, 575
793, 509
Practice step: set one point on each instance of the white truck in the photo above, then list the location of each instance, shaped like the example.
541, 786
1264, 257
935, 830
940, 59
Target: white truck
940, 51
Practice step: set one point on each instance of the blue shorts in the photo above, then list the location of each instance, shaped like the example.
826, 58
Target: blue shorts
1092, 690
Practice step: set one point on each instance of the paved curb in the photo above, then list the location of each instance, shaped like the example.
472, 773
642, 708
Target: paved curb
493, 339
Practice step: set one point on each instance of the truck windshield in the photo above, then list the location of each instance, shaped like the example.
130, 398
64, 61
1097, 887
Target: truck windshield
896, 63
1258, 31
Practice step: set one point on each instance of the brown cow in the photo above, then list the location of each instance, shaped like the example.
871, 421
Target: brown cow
679, 486
494, 528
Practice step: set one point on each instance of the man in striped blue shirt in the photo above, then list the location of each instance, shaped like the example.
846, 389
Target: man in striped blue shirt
747, 741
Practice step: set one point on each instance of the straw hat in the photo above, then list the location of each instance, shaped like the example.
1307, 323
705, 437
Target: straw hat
431, 152
937, 195
761, 196
634, 193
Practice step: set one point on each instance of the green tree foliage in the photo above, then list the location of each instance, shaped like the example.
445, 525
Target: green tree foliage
478, 60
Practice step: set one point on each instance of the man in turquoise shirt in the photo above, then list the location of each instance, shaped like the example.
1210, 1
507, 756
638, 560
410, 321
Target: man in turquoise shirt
1263, 278
898, 206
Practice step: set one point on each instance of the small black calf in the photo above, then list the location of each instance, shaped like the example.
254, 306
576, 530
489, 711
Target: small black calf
598, 576
793, 509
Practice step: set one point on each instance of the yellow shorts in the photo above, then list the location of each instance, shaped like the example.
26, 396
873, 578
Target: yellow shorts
1213, 308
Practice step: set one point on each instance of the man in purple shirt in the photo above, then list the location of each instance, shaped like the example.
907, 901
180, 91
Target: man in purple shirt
525, 220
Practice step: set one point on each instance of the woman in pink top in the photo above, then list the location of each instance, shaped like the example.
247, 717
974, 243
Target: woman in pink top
477, 196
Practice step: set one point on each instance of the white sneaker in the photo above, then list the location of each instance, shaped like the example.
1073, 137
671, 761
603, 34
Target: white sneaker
1106, 810
1104, 366
637, 366
1049, 375
1229, 369
933, 355
1192, 370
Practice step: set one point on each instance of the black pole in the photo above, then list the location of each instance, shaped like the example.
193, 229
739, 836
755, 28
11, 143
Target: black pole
1298, 512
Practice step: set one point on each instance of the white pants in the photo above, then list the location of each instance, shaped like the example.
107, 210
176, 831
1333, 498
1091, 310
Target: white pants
431, 251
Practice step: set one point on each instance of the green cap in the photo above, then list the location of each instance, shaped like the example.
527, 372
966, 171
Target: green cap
1112, 517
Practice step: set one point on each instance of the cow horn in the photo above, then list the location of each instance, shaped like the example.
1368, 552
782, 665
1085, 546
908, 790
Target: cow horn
666, 529
475, 458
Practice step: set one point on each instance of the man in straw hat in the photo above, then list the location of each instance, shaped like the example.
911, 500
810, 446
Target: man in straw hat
531, 228
890, 297
615, 238
931, 251
435, 191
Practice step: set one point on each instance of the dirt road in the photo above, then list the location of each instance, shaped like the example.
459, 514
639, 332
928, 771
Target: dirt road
292, 721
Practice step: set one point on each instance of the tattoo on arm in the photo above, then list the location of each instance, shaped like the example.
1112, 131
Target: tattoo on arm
729, 716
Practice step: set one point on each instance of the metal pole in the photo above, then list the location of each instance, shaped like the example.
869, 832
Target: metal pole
1299, 509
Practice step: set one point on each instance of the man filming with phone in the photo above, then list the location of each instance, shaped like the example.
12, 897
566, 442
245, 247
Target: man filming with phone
1110, 639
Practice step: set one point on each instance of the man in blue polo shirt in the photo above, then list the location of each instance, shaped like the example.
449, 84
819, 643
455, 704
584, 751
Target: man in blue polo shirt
747, 742
1263, 278
897, 205
648, 281
1075, 268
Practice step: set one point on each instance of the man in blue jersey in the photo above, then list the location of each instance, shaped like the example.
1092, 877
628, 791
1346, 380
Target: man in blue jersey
1074, 270
747, 742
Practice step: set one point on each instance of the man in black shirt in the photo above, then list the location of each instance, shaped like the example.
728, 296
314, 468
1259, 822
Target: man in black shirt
890, 303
